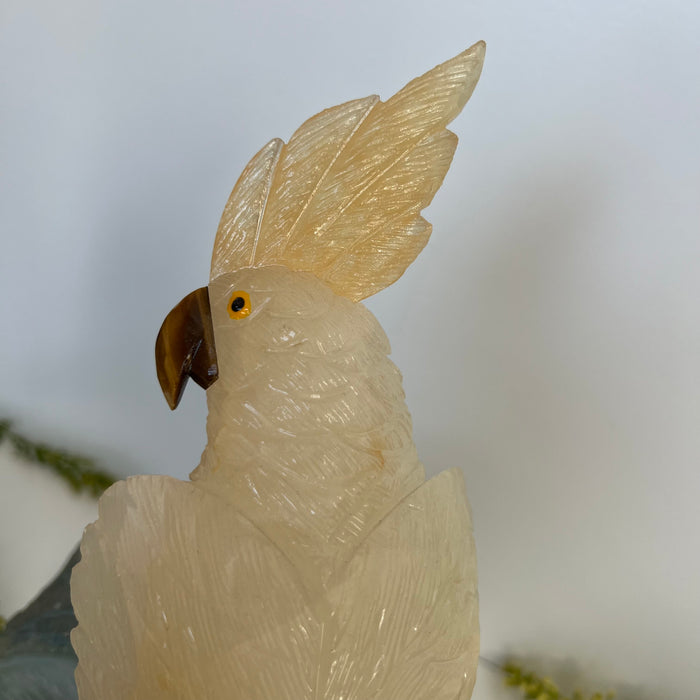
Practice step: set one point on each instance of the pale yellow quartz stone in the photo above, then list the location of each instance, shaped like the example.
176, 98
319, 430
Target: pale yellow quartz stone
307, 559
343, 198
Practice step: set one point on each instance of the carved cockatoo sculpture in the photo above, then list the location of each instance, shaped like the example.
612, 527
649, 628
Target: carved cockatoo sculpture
307, 558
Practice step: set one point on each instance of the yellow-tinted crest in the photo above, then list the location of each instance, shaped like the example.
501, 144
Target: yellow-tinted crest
343, 198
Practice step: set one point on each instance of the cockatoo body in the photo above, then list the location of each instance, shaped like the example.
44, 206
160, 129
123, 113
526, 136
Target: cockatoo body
307, 558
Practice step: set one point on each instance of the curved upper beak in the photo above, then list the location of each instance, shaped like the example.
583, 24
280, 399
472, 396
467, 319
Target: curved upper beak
185, 347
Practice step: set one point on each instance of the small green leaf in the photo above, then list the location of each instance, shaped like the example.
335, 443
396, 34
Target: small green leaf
533, 687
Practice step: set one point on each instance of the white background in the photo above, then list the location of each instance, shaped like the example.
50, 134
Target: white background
549, 335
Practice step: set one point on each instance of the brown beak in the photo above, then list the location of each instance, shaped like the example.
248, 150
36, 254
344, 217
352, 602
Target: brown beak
185, 347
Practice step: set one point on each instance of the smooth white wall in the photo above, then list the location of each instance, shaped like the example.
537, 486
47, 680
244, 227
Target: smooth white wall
548, 335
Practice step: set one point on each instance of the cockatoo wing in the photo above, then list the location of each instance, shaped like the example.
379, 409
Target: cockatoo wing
404, 615
343, 198
178, 596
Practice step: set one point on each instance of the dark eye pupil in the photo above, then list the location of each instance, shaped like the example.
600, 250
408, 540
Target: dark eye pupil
237, 304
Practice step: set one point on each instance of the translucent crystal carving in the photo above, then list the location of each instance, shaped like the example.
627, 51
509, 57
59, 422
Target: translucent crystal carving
307, 558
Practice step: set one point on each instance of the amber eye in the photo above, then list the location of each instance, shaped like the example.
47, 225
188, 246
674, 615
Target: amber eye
239, 305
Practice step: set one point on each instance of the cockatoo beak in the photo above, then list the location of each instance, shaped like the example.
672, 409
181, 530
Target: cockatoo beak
185, 347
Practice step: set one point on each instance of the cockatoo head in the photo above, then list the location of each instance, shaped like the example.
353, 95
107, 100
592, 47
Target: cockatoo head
257, 317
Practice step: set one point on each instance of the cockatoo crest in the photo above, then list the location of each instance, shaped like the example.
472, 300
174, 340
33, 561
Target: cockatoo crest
343, 198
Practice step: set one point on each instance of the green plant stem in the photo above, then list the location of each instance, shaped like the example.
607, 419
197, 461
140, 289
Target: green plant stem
80, 473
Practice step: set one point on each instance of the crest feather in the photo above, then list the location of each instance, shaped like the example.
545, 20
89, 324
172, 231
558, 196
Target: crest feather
343, 198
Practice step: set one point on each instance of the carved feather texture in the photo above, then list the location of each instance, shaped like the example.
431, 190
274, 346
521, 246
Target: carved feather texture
343, 198
225, 615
